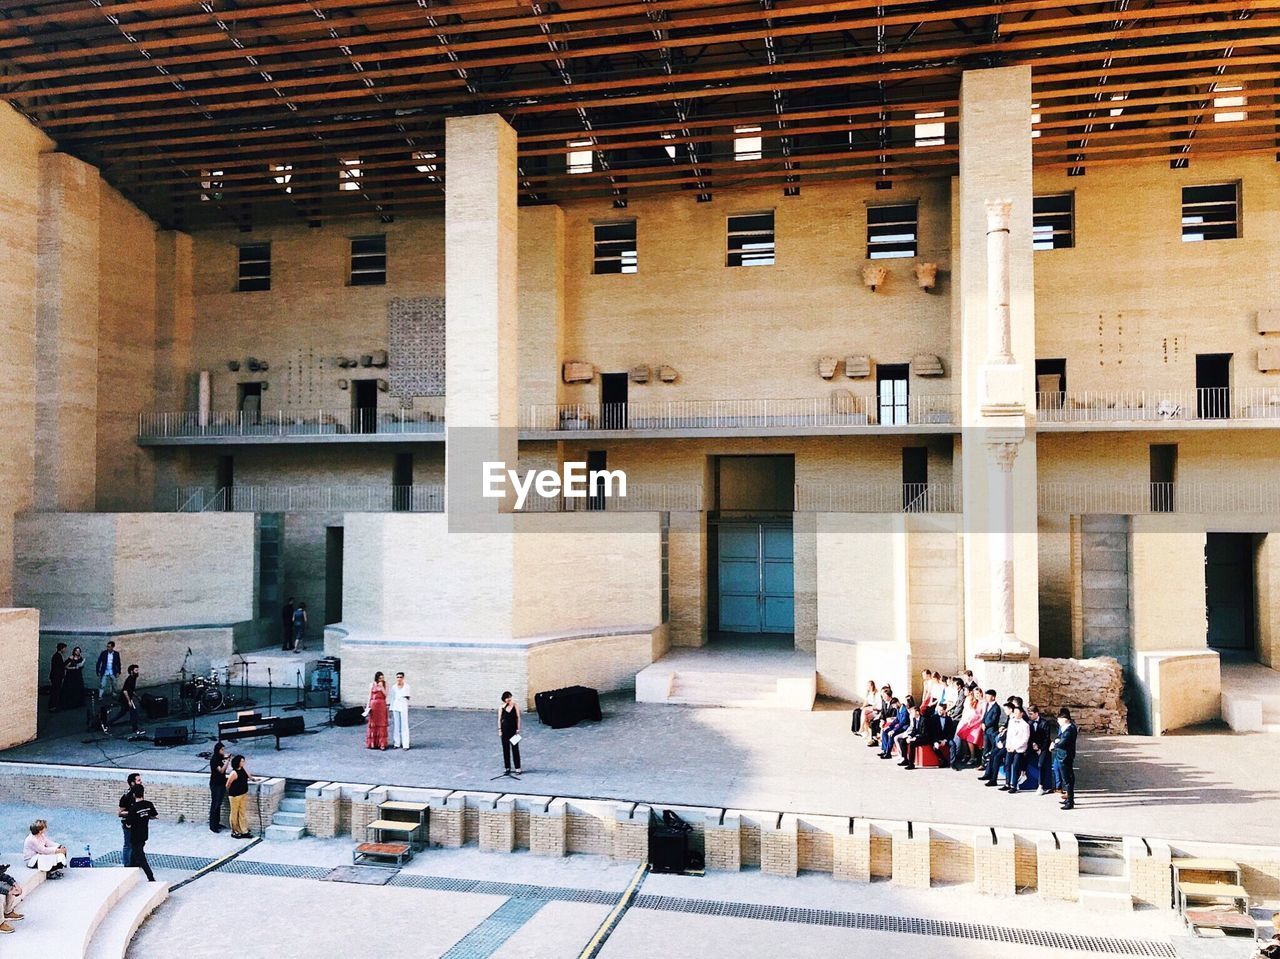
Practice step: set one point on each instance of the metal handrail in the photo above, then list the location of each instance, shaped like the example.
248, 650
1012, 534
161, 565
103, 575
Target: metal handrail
317, 422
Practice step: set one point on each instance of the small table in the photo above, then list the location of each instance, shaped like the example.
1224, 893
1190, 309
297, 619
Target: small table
399, 811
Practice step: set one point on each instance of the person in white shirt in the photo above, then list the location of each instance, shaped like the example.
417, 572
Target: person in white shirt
42, 853
1017, 737
400, 713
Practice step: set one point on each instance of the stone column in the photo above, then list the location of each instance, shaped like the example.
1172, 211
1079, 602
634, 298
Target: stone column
1003, 628
480, 315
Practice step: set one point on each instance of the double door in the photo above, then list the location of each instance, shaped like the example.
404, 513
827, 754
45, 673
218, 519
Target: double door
755, 578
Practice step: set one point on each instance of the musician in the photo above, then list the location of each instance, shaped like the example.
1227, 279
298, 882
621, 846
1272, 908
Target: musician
57, 673
130, 705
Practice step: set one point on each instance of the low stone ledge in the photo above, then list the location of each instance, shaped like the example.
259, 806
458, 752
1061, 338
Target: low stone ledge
851, 852
994, 863
911, 855
779, 846
1058, 867
722, 841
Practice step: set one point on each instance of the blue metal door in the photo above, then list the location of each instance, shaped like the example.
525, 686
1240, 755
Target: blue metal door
756, 583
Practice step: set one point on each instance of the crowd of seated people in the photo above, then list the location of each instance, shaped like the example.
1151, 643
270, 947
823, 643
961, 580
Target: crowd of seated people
958, 724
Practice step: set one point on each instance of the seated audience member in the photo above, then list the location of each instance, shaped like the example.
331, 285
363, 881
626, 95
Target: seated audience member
883, 713
1039, 753
995, 755
926, 688
12, 892
911, 736
967, 741
1017, 740
862, 714
891, 728
42, 853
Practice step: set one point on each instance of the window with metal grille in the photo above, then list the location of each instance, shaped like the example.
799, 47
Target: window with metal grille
580, 158
751, 239
931, 129
1210, 212
750, 146
349, 173
1053, 224
616, 247
255, 268
369, 260
892, 230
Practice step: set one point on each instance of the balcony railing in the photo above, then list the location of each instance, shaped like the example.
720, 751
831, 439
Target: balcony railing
919, 410
289, 423
641, 497
903, 498
1155, 406
1138, 498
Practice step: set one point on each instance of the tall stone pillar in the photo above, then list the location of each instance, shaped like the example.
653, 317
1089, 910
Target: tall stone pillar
480, 315
994, 314
67, 335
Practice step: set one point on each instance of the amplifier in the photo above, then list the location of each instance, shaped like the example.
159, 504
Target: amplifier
349, 716
171, 735
668, 849
290, 726
155, 707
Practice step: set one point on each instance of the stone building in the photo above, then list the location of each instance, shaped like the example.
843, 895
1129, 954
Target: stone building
243, 363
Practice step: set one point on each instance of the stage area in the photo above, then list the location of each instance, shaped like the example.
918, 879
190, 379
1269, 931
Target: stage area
1207, 783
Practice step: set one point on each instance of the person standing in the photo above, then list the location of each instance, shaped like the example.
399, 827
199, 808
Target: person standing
129, 702
238, 793
1041, 735
57, 673
375, 711
217, 785
1064, 757
286, 617
139, 819
509, 729
73, 680
108, 668
126, 808
400, 713
1017, 739
299, 626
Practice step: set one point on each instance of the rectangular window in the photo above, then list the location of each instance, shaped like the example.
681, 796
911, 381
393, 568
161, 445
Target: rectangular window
1035, 121
748, 147
211, 183
349, 173
932, 131
891, 230
1229, 104
369, 260
255, 268
751, 240
1210, 212
1053, 222
580, 156
282, 173
616, 247
425, 161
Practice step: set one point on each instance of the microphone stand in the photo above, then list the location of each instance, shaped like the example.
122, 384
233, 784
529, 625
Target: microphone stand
299, 693
268, 690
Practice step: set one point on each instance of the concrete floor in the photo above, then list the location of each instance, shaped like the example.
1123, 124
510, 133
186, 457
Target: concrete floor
1205, 784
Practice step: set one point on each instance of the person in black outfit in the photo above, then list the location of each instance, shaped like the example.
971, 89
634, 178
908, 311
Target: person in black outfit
57, 673
139, 819
911, 736
129, 703
126, 807
1064, 757
217, 785
509, 726
992, 720
997, 757
286, 615
1038, 753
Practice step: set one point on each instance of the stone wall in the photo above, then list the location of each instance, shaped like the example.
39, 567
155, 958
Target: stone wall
19, 634
1093, 689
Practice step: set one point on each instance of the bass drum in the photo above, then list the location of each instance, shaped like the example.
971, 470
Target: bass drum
210, 698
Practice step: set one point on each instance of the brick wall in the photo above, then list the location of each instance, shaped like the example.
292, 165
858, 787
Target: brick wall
19, 702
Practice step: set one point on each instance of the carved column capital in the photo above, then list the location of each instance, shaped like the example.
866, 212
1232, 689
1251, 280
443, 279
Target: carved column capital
998, 213
1003, 455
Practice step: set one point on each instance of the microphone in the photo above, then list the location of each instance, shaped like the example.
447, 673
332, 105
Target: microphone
189, 653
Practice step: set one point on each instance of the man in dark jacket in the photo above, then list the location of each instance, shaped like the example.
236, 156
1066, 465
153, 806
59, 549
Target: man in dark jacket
1038, 753
57, 672
992, 721
911, 736
997, 758
1064, 757
108, 669
894, 726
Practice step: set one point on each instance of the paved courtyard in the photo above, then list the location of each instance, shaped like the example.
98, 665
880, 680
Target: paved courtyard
464, 904
1205, 784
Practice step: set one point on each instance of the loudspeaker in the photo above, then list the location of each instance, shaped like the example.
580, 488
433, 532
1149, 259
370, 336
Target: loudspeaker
171, 735
350, 716
668, 849
290, 726
155, 707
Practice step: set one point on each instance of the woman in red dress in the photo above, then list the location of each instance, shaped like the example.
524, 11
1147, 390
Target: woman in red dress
376, 713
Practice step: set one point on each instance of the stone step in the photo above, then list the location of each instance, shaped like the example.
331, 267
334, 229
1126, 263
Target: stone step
112, 938
289, 804
289, 819
276, 833
63, 915
1105, 901
1103, 866
1112, 884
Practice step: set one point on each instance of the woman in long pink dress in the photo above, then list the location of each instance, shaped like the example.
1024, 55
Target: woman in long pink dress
970, 730
376, 711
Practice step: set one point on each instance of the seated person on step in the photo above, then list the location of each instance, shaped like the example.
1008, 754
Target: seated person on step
42, 853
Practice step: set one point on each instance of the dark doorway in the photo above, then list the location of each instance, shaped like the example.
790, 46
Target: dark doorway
364, 406
249, 403
1164, 476
613, 401
333, 574
402, 482
891, 393
1213, 386
224, 479
1051, 384
596, 460
1229, 590
915, 479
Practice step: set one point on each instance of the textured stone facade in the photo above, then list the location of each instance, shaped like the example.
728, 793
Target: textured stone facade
1093, 689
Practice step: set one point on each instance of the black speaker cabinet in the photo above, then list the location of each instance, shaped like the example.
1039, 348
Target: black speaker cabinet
290, 726
668, 849
155, 707
171, 735
349, 716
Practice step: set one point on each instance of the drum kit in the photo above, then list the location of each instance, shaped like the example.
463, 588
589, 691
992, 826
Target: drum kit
204, 694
